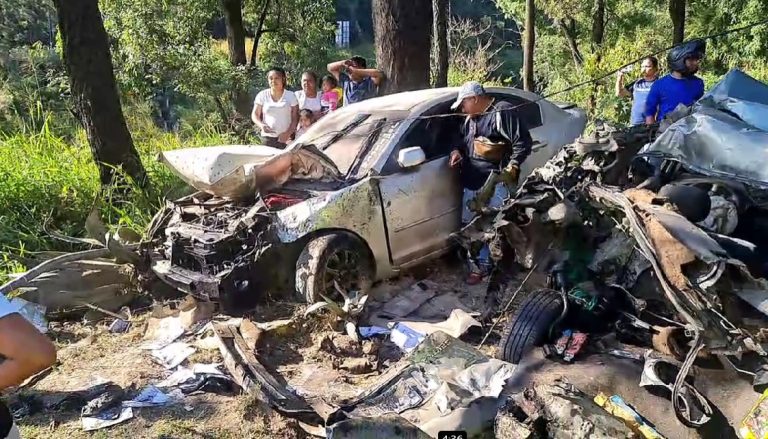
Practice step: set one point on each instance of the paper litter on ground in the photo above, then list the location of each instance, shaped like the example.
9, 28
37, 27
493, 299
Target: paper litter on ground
151, 396
162, 332
173, 354
91, 424
183, 374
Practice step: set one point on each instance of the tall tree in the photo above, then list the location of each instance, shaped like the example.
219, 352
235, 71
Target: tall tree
598, 36
529, 42
233, 21
677, 14
440, 11
94, 91
402, 30
260, 30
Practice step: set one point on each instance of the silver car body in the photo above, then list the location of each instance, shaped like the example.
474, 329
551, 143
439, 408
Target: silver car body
406, 212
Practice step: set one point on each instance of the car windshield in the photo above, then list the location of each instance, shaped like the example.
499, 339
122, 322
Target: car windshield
342, 135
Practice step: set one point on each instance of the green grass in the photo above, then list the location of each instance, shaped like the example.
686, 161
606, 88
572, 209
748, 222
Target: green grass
48, 180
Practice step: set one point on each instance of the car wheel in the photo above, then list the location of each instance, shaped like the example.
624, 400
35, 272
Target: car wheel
339, 257
530, 325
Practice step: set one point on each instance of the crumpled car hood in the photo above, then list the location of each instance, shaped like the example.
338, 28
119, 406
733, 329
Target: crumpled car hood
725, 133
238, 171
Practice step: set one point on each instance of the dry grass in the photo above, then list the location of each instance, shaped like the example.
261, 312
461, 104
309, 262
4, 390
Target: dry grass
88, 352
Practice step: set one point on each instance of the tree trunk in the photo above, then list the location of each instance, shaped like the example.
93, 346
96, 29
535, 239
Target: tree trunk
259, 32
94, 91
598, 24
402, 30
598, 33
529, 41
233, 20
440, 36
569, 32
677, 14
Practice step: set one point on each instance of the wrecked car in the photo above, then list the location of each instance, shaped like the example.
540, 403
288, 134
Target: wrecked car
656, 237
364, 193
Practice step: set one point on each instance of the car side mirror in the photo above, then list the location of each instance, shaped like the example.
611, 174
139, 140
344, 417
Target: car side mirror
410, 157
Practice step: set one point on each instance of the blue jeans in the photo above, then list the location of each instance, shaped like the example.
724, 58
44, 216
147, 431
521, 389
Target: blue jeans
483, 259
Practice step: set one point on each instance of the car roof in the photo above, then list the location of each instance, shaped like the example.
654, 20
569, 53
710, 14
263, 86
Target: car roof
413, 101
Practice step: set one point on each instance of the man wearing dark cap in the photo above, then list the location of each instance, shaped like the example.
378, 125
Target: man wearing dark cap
494, 140
681, 86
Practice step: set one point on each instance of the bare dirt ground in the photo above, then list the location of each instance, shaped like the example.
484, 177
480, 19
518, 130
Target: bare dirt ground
311, 357
87, 353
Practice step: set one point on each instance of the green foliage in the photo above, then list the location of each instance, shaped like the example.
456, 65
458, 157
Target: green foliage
48, 181
24, 22
303, 37
32, 79
634, 29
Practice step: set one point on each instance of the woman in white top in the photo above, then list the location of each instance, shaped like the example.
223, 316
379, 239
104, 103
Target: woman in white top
309, 95
276, 110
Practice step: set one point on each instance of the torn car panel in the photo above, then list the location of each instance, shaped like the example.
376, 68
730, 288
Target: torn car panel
239, 171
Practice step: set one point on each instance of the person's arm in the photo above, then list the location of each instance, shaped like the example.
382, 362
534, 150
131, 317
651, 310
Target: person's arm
285, 136
652, 104
621, 92
335, 68
25, 350
257, 115
334, 103
518, 136
377, 76
700, 90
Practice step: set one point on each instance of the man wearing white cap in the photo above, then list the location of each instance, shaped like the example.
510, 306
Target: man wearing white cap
494, 140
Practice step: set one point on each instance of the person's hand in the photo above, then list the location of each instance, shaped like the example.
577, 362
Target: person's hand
351, 69
284, 137
511, 174
455, 158
265, 129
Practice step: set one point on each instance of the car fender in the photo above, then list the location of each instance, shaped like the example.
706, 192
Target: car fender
355, 209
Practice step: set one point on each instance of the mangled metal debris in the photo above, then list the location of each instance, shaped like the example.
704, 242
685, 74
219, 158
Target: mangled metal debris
640, 232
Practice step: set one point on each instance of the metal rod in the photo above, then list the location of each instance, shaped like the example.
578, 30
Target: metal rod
506, 308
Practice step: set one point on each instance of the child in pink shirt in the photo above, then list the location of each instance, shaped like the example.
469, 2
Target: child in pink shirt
331, 97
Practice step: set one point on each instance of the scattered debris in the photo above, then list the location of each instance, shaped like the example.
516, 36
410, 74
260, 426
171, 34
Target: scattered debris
98, 423
755, 423
457, 324
162, 332
119, 326
151, 396
110, 398
659, 373
173, 354
406, 338
447, 385
616, 406
390, 426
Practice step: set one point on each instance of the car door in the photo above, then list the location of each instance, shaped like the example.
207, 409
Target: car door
422, 205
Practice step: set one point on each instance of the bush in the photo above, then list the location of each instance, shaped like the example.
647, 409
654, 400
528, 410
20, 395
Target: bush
50, 183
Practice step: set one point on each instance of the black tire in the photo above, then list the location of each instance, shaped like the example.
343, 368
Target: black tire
315, 269
530, 325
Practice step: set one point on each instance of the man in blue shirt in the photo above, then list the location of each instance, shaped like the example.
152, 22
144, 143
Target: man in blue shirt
358, 83
679, 87
638, 90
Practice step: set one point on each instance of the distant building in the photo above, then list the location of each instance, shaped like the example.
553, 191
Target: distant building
342, 33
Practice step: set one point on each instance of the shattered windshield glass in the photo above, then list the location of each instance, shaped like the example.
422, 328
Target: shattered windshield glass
342, 136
